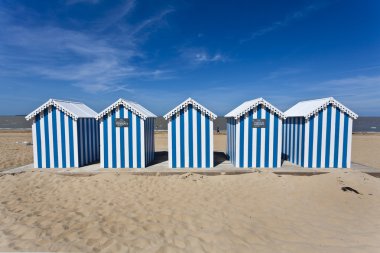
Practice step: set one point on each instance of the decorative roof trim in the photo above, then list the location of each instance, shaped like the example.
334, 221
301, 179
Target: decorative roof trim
259, 101
52, 102
127, 105
195, 104
335, 103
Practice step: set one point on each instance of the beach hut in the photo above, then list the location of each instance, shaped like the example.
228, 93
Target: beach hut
126, 135
190, 136
254, 135
318, 134
65, 135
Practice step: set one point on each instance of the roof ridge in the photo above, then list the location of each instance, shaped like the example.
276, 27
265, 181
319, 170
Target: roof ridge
131, 105
186, 103
242, 109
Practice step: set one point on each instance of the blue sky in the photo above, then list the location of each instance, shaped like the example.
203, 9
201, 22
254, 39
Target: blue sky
159, 53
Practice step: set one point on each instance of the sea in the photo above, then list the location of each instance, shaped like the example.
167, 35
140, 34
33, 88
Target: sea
18, 122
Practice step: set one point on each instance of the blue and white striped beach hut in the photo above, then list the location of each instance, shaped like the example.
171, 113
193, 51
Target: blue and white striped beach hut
65, 135
254, 135
190, 136
126, 135
318, 134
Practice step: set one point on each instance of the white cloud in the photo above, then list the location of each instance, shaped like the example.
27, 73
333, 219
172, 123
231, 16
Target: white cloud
83, 58
196, 56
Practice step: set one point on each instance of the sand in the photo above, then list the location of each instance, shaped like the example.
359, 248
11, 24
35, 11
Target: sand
366, 149
13, 154
258, 212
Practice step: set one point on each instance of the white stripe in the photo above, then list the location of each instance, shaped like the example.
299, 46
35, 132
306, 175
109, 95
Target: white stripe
300, 141
245, 161
323, 143
51, 145
101, 144
306, 153
271, 135
279, 151
126, 140
291, 140
178, 140
211, 143
195, 143
332, 136
295, 140
315, 140
203, 140
59, 139
42, 134
75, 135
67, 141
262, 153
254, 141
134, 142
349, 142
109, 139
341, 132
142, 152
86, 141
186, 121
118, 129
34, 135
170, 142
237, 154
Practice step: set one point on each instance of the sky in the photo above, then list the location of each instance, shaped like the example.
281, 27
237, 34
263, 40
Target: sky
159, 53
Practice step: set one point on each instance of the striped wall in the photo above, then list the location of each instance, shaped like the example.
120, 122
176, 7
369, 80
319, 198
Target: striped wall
323, 141
124, 147
249, 147
61, 142
190, 139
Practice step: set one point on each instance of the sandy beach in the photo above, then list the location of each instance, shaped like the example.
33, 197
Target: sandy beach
257, 212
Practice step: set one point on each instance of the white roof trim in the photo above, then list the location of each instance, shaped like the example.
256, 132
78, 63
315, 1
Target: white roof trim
137, 109
317, 105
249, 105
195, 104
82, 111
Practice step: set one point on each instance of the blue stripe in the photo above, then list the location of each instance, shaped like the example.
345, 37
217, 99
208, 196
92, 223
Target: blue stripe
79, 127
46, 132
199, 140
191, 158
258, 143
182, 137
113, 136
345, 139
87, 132
130, 141
319, 141
55, 142
38, 141
275, 140
241, 149
105, 140
63, 139
303, 143
138, 139
207, 123
267, 133
294, 139
71, 137
174, 146
337, 128
250, 138
328, 136
311, 138
122, 148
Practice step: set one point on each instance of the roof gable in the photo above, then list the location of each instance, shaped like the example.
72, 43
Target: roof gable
73, 109
249, 105
309, 108
195, 104
136, 108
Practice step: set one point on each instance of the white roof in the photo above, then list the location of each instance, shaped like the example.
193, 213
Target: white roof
310, 107
249, 105
195, 104
136, 108
73, 109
